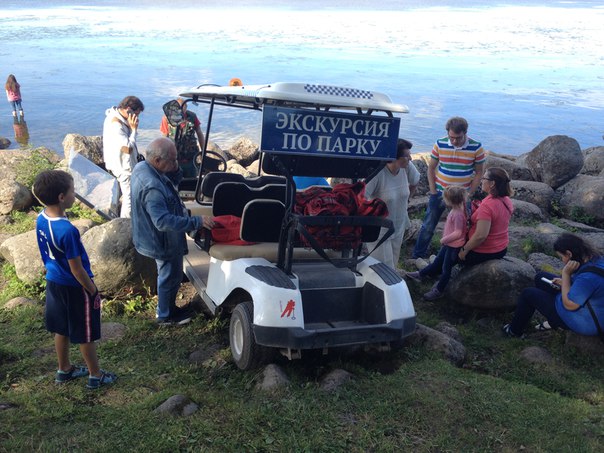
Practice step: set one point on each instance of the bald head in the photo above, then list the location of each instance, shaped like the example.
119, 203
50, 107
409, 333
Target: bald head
161, 154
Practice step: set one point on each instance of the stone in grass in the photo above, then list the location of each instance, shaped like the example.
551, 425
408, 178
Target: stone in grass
177, 405
537, 355
334, 380
439, 342
112, 331
273, 378
19, 302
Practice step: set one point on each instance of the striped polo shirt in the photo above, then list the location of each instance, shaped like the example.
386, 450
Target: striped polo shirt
456, 165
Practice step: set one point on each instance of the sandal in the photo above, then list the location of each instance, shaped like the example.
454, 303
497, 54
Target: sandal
543, 326
65, 376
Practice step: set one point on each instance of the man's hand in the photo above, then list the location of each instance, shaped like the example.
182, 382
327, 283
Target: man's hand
133, 121
207, 222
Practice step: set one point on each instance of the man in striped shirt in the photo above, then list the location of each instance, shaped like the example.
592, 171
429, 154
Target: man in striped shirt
456, 160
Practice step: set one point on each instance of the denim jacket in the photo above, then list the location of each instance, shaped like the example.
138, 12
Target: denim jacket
159, 218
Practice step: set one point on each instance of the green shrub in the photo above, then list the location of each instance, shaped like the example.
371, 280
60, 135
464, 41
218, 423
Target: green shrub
81, 211
27, 169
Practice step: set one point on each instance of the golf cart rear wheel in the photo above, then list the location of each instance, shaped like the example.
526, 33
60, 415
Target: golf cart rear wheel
247, 354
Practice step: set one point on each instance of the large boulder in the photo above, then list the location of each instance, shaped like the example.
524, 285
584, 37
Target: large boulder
90, 147
581, 199
545, 263
554, 161
509, 164
234, 167
244, 151
438, 342
537, 238
593, 161
492, 285
526, 212
420, 161
23, 253
118, 268
534, 192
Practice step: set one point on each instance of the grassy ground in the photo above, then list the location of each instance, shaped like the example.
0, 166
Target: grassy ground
409, 400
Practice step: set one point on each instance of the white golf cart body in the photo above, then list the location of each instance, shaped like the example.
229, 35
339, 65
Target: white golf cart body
283, 296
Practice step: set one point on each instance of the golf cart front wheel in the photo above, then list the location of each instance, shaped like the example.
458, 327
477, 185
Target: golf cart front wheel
247, 354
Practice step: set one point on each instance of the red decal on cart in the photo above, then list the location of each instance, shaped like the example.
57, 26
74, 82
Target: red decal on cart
289, 309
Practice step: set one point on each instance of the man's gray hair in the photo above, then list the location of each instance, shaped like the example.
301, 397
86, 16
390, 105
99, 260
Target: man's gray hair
160, 147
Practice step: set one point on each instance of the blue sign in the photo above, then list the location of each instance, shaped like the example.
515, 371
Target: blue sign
321, 133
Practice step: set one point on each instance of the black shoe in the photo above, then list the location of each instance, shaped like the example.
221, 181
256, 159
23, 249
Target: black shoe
180, 319
184, 310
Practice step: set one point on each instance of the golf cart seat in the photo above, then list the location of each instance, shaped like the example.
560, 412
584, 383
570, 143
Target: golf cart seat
211, 180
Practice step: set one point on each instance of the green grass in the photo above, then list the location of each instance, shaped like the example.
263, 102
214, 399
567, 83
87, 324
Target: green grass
410, 400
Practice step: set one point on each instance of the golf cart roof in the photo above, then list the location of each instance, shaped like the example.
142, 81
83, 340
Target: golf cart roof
293, 94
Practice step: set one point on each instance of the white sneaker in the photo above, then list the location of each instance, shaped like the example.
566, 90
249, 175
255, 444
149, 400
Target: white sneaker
432, 258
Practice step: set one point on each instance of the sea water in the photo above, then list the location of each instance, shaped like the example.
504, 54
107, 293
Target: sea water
519, 71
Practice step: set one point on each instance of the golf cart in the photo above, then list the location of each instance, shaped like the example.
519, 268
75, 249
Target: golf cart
289, 289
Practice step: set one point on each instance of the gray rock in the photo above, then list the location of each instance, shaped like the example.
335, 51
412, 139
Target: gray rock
534, 192
546, 263
4, 143
593, 161
112, 331
244, 151
449, 330
526, 212
538, 238
492, 285
119, 269
202, 356
579, 227
438, 342
591, 345
90, 147
334, 380
20, 302
273, 378
420, 161
554, 161
234, 167
537, 355
177, 405
509, 164
582, 197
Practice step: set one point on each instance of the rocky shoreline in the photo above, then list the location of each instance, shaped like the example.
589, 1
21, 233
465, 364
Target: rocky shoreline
557, 187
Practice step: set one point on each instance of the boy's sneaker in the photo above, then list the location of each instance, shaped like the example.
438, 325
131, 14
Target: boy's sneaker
415, 276
433, 294
106, 378
76, 372
507, 331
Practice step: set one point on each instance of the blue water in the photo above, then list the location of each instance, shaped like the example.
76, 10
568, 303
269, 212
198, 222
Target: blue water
518, 71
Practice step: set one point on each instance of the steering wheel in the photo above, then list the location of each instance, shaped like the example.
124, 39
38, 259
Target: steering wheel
212, 162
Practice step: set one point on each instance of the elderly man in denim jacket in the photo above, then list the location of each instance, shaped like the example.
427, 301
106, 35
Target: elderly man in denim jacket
159, 224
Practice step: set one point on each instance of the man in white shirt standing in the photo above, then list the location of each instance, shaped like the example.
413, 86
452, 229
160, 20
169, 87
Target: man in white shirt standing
119, 144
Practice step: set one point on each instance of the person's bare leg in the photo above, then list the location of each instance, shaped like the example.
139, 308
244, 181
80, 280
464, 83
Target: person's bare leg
88, 351
62, 349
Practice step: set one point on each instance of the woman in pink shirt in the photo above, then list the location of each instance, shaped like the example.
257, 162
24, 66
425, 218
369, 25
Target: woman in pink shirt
488, 237
13, 94
453, 238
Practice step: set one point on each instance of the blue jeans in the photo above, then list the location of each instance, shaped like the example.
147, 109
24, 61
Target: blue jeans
541, 298
169, 278
443, 265
15, 105
436, 207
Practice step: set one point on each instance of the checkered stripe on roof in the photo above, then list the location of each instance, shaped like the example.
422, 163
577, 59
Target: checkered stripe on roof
338, 91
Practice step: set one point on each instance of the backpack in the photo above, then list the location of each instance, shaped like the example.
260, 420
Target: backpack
599, 271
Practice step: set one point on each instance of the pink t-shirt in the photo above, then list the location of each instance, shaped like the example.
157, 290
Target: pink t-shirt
499, 212
454, 234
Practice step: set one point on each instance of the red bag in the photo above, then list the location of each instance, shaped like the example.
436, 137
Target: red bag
226, 230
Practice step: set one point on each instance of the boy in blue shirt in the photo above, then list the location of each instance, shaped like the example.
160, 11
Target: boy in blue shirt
73, 303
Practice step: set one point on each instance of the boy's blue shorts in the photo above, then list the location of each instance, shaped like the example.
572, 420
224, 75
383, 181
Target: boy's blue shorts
71, 312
